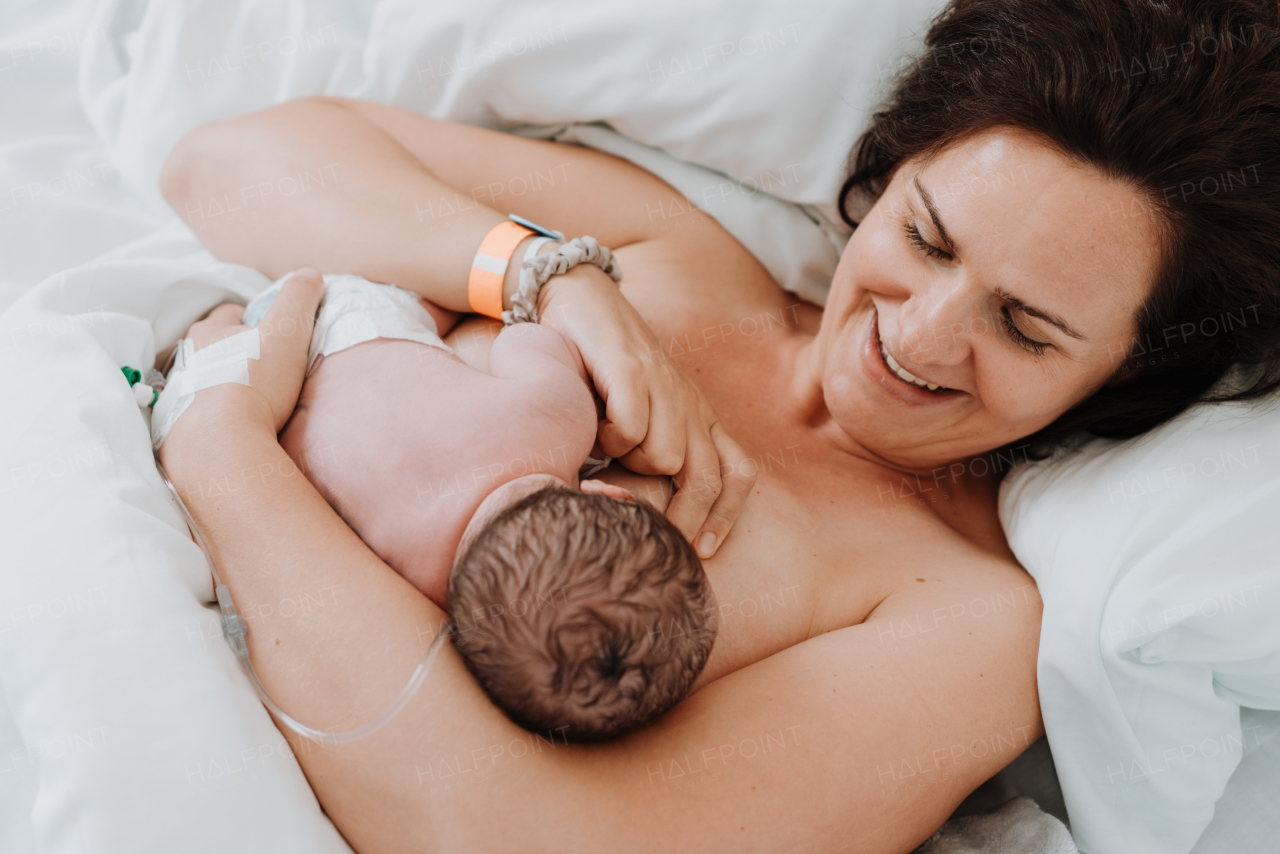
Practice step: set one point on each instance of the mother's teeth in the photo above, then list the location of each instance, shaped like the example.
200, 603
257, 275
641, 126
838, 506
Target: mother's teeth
904, 373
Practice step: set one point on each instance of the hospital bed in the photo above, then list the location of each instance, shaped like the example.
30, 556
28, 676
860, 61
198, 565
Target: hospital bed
124, 721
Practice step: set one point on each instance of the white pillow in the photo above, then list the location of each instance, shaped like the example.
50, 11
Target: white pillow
1156, 559
770, 93
766, 91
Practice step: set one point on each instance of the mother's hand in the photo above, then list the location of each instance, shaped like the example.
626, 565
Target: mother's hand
657, 421
275, 376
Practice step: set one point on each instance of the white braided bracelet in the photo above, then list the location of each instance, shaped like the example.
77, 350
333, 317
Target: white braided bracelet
537, 269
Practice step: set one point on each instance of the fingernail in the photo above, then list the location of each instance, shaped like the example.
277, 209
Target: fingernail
706, 545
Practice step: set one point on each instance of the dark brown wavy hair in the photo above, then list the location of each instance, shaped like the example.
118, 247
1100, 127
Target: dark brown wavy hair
1178, 99
582, 615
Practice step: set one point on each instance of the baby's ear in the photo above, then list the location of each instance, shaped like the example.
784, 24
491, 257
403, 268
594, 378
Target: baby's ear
599, 487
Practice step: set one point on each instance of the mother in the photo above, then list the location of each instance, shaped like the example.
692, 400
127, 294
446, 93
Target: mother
1032, 239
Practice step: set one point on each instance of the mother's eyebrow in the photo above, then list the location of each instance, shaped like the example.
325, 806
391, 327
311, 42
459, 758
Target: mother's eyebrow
933, 213
1046, 316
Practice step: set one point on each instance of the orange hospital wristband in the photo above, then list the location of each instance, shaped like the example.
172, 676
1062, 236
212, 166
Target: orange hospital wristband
484, 285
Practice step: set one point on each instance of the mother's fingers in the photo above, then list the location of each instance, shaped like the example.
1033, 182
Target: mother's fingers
286, 327
285, 342
226, 313
697, 487
626, 410
737, 479
664, 446
221, 322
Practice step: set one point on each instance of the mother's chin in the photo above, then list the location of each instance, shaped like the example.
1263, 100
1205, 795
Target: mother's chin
890, 419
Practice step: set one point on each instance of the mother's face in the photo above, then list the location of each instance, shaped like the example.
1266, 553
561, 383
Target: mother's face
1003, 278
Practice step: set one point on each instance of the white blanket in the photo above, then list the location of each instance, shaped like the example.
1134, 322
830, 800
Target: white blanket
134, 728
96, 92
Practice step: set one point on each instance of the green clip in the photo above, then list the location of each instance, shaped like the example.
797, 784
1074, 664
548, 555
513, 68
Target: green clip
133, 375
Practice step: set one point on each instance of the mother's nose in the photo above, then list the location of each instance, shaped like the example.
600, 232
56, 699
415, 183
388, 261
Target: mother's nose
936, 325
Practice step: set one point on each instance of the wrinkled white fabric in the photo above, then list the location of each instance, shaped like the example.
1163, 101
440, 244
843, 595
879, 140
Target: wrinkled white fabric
1016, 827
127, 720
1156, 559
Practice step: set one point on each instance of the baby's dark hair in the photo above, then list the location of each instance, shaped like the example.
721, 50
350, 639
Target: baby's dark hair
582, 614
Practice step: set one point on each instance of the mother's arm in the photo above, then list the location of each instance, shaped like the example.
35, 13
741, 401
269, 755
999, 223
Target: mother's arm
394, 196
860, 739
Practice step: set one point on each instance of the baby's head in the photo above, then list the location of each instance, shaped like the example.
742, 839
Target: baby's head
581, 613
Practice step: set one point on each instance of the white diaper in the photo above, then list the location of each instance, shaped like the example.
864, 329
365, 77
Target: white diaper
354, 310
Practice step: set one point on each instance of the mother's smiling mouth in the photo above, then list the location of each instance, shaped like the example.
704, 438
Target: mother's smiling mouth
895, 371
903, 373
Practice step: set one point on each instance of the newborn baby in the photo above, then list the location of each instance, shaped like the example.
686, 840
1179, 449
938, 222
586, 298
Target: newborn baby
466, 483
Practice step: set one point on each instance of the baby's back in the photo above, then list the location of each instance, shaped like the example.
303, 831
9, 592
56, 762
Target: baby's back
405, 441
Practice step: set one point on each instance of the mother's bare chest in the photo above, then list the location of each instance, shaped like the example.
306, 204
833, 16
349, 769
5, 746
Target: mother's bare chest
825, 536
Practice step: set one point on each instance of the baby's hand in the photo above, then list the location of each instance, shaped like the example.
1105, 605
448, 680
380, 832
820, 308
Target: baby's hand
656, 491
599, 487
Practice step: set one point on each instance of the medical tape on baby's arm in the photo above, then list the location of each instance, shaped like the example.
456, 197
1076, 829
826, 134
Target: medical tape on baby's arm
225, 361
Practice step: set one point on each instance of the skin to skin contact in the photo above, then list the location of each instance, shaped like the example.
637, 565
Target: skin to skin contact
870, 512
406, 441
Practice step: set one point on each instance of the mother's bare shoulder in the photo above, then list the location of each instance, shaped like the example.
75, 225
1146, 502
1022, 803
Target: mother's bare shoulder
900, 545
951, 566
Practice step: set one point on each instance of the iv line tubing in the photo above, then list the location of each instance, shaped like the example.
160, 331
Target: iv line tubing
234, 630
